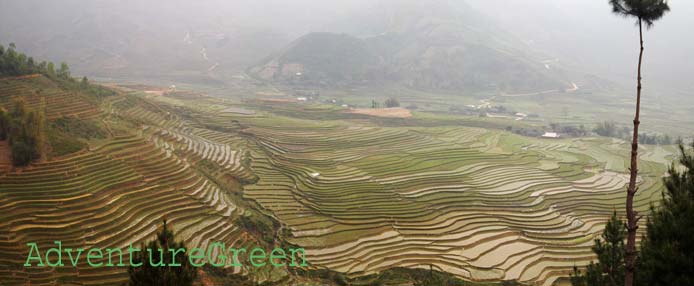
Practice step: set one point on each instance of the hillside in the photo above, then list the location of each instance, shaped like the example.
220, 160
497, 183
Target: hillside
111, 166
108, 170
321, 58
371, 199
438, 45
71, 117
363, 195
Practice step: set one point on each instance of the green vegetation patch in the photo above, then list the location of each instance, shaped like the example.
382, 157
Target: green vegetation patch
86, 129
63, 144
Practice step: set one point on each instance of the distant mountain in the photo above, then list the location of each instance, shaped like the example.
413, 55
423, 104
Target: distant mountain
159, 39
427, 44
443, 45
321, 57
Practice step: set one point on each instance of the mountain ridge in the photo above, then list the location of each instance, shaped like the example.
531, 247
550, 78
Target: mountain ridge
450, 47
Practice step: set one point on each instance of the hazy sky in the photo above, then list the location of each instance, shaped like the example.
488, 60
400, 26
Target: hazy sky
576, 31
587, 32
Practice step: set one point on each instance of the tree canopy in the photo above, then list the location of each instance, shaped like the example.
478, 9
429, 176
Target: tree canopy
648, 11
13, 63
23, 128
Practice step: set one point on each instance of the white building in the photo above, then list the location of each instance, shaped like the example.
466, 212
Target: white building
551, 135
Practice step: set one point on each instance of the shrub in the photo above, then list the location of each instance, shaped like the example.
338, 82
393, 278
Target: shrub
22, 154
148, 275
392, 102
78, 128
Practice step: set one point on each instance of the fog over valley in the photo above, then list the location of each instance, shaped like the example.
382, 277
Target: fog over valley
123, 38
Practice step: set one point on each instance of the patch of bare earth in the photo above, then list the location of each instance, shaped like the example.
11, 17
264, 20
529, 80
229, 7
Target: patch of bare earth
35, 75
204, 278
155, 92
394, 112
279, 100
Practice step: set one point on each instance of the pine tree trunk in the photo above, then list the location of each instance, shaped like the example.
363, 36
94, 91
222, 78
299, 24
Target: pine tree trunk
632, 220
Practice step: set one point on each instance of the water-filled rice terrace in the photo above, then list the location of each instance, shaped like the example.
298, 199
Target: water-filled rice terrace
485, 205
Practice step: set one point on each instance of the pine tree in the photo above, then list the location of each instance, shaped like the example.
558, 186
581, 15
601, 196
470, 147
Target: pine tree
148, 275
609, 270
667, 250
646, 12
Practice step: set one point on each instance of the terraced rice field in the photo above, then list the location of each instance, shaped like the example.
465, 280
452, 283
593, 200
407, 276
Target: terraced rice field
116, 194
482, 204
40, 92
110, 197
